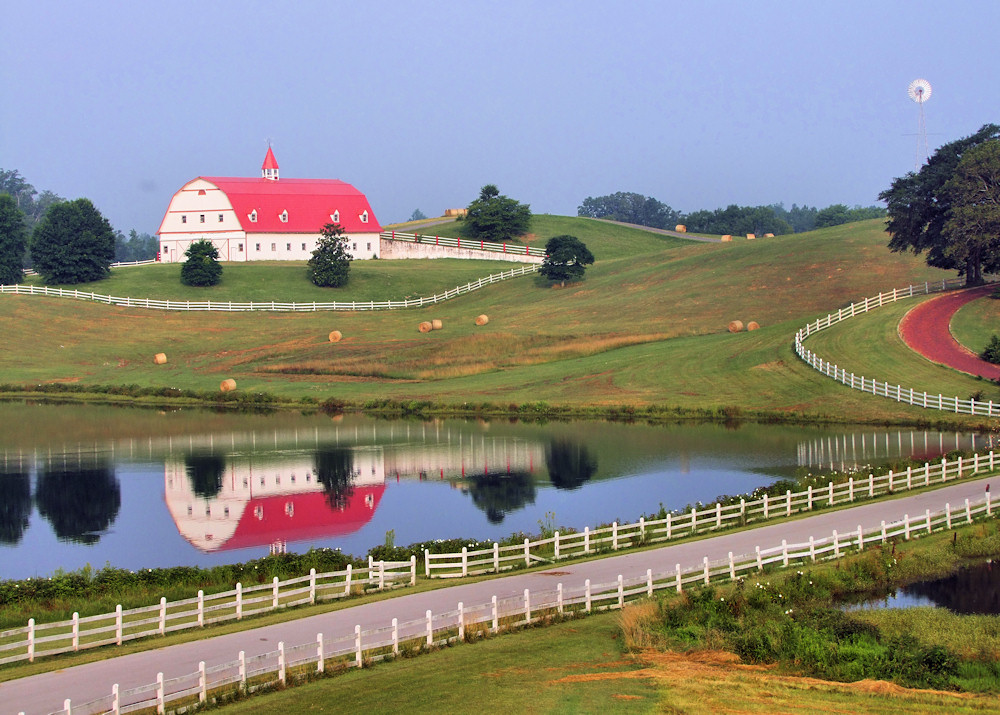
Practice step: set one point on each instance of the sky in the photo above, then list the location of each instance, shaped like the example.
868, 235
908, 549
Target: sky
697, 104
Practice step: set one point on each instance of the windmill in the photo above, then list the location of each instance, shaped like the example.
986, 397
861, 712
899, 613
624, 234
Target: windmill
920, 91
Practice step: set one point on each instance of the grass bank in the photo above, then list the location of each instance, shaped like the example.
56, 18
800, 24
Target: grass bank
976, 323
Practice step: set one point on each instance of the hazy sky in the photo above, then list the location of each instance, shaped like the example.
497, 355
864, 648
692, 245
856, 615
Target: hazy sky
698, 104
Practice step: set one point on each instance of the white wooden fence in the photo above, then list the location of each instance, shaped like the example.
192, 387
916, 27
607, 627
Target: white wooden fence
247, 674
465, 243
882, 388
119, 264
46, 639
230, 306
714, 517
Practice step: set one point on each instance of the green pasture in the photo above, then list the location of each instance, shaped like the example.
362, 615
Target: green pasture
646, 326
976, 322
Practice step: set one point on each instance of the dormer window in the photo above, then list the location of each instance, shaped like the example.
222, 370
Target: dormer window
335, 217
364, 217
253, 216
283, 216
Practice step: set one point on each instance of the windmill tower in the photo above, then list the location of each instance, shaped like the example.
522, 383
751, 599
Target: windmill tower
920, 91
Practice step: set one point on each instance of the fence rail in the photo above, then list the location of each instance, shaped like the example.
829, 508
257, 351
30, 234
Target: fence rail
230, 306
38, 640
714, 517
883, 388
512, 249
354, 650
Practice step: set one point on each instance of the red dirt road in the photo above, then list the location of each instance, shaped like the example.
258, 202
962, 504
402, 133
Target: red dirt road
925, 330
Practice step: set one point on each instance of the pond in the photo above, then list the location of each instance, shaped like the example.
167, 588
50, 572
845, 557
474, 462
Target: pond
138, 488
970, 590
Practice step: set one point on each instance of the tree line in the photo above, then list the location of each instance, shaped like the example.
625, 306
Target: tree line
630, 207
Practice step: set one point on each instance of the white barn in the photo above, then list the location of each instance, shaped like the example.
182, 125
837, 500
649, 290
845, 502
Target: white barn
266, 218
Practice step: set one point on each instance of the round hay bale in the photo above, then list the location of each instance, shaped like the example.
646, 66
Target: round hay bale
227, 385
436, 324
482, 319
735, 326
336, 336
159, 358
753, 325
727, 237
680, 228
425, 327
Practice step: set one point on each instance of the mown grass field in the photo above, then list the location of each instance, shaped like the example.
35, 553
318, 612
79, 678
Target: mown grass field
647, 326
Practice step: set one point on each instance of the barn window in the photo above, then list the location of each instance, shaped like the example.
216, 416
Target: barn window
241, 247
184, 219
253, 216
303, 246
284, 217
220, 218
354, 246
274, 246
288, 247
364, 217
258, 246
201, 218
369, 245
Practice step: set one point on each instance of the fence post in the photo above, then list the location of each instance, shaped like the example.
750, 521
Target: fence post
274, 593
312, 586
927, 515
31, 640
704, 561
465, 561
555, 545
850, 488
202, 683
118, 624
968, 512
909, 477
959, 475
163, 614
461, 621
649, 582
430, 628
320, 662
76, 631
67, 707
861, 539
765, 505
836, 545
243, 671
812, 549
160, 705
496, 616
587, 597
760, 562
527, 607
614, 536
559, 598
586, 540
281, 662
906, 527
788, 502
347, 578
496, 557
527, 552
732, 567
239, 601
642, 528
381, 575
944, 469
947, 515
991, 458
743, 510
669, 520
989, 507
784, 553
831, 493
427, 563
413, 569
718, 515
809, 497
201, 608
871, 485
883, 532
115, 700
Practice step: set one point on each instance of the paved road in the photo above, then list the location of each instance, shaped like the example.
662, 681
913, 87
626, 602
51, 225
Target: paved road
45, 693
925, 329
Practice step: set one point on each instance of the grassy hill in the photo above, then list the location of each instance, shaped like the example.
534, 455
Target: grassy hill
646, 326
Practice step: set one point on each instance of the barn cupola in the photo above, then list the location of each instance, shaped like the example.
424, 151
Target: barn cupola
269, 170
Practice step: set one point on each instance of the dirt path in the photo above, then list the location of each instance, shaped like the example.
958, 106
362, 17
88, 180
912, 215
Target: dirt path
925, 329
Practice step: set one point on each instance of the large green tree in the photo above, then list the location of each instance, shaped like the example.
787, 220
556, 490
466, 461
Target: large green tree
73, 243
495, 217
13, 241
973, 225
202, 267
737, 220
566, 259
629, 207
919, 206
330, 265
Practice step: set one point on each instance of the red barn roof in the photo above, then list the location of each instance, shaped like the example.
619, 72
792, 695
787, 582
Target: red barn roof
308, 204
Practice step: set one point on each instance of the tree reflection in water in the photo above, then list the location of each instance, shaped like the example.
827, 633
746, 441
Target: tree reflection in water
80, 503
15, 505
569, 463
335, 471
205, 471
499, 494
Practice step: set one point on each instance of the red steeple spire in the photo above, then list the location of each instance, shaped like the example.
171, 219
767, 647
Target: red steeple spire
269, 170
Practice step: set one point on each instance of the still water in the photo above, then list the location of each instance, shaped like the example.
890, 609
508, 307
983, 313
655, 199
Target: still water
971, 590
139, 488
